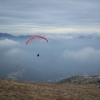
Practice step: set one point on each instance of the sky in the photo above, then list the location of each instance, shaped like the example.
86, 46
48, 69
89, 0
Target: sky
49, 16
72, 28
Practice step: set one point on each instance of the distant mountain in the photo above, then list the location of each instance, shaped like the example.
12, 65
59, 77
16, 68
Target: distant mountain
9, 36
5, 35
81, 80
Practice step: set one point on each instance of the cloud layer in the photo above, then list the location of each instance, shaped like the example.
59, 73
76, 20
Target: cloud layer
28, 17
85, 55
8, 43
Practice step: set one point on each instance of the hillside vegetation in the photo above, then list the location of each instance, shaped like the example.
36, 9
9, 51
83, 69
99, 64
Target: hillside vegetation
15, 90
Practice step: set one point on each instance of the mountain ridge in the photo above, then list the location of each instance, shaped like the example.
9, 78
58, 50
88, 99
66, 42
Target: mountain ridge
9, 36
81, 80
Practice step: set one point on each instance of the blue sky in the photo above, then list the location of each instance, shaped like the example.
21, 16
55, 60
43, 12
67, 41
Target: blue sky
24, 17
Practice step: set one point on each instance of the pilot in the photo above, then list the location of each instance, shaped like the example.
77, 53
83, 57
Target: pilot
38, 55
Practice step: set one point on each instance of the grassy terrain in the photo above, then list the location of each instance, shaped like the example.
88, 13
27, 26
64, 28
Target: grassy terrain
14, 90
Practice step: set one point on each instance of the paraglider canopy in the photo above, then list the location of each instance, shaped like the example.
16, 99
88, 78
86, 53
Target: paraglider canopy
32, 37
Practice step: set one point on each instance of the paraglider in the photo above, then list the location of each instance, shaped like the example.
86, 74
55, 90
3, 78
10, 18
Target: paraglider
38, 55
33, 37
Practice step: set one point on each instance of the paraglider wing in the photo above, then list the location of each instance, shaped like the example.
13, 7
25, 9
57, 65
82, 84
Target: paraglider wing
35, 37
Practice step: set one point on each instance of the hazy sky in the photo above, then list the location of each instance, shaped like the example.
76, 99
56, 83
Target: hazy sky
49, 16
60, 57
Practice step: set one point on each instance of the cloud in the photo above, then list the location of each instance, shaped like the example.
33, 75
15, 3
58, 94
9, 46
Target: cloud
65, 30
59, 36
85, 54
14, 51
8, 43
54, 16
72, 36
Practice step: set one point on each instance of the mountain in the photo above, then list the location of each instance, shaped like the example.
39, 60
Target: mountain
16, 90
5, 35
9, 36
81, 80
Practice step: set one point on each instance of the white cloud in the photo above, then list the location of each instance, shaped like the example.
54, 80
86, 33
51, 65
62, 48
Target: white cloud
85, 54
59, 36
8, 43
14, 51
65, 30
54, 16
72, 36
